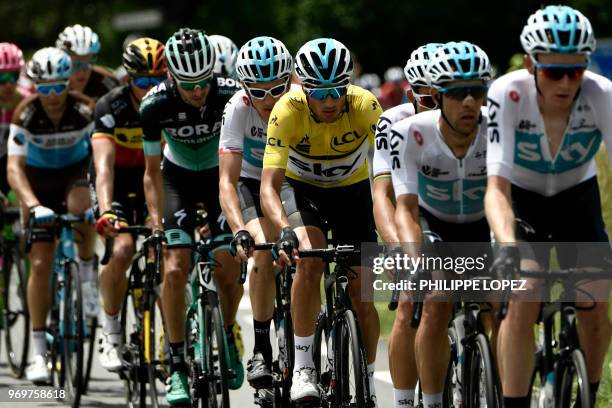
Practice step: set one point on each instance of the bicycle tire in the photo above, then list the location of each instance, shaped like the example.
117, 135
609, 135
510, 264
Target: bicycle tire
216, 349
479, 375
349, 351
574, 368
133, 372
73, 335
153, 329
15, 312
91, 325
451, 372
283, 325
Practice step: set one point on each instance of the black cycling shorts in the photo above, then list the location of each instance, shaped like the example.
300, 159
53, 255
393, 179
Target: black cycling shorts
572, 218
248, 193
185, 192
128, 194
345, 211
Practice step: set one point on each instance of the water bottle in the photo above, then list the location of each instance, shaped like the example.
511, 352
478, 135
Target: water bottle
547, 399
282, 351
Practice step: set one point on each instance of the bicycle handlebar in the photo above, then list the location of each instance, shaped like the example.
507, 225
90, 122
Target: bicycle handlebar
62, 220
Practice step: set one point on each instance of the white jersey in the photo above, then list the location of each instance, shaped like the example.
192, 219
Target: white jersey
518, 148
451, 189
244, 132
382, 149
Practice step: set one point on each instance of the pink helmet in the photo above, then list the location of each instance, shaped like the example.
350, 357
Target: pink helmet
11, 57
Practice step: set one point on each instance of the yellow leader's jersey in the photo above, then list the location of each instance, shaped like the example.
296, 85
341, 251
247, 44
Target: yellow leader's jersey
322, 154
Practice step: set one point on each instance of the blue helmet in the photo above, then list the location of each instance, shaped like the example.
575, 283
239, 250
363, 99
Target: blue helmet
458, 61
323, 62
263, 59
558, 29
416, 67
49, 64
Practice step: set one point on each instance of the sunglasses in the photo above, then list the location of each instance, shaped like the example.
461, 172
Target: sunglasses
425, 100
259, 93
557, 72
53, 87
190, 86
8, 77
321, 94
460, 92
145, 82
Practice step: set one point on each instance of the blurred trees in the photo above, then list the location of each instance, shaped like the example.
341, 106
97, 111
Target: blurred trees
381, 33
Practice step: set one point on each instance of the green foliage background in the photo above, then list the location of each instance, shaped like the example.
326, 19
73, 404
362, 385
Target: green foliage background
381, 33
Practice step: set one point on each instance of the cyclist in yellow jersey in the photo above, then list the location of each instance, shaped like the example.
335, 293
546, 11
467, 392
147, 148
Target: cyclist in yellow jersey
321, 138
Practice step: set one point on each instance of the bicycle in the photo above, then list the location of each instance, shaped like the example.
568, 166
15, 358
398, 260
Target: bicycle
206, 342
67, 329
15, 319
282, 363
560, 365
141, 327
343, 377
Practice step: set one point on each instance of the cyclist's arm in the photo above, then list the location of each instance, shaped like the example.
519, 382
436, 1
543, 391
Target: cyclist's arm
383, 196
16, 166
271, 205
229, 172
500, 150
153, 188
605, 107
407, 218
104, 160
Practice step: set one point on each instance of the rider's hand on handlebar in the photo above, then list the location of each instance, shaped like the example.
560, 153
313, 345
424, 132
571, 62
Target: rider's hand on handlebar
285, 250
507, 263
42, 215
109, 223
242, 245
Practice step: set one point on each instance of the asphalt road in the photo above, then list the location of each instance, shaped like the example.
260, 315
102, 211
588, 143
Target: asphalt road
106, 390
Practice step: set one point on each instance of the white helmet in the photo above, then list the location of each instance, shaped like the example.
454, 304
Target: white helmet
394, 74
458, 61
226, 52
263, 59
190, 55
558, 29
416, 67
323, 62
49, 64
79, 40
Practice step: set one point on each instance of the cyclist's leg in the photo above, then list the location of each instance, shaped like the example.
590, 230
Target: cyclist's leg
402, 362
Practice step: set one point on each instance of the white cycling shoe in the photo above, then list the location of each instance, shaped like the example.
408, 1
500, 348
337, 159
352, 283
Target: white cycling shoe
304, 387
110, 353
38, 371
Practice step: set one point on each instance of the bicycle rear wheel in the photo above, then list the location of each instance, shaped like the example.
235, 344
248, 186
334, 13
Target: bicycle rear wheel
573, 382
350, 364
216, 358
73, 325
15, 312
479, 376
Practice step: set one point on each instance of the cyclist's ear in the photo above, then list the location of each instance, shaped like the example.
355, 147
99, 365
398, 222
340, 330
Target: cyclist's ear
435, 95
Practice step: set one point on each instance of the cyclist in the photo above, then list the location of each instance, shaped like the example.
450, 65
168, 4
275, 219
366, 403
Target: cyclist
187, 109
320, 137
226, 54
401, 339
264, 69
393, 90
549, 122
83, 46
439, 151
11, 64
119, 170
48, 155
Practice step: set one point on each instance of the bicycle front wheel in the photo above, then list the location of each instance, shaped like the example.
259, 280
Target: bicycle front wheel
479, 375
350, 364
73, 325
156, 352
573, 382
15, 312
216, 356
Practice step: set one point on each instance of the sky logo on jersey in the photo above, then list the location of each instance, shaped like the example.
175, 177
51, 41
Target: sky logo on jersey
454, 197
326, 173
577, 149
254, 152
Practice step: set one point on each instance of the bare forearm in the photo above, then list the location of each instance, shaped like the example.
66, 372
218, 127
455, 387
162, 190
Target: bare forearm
230, 204
153, 195
384, 214
273, 208
20, 184
500, 215
104, 187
